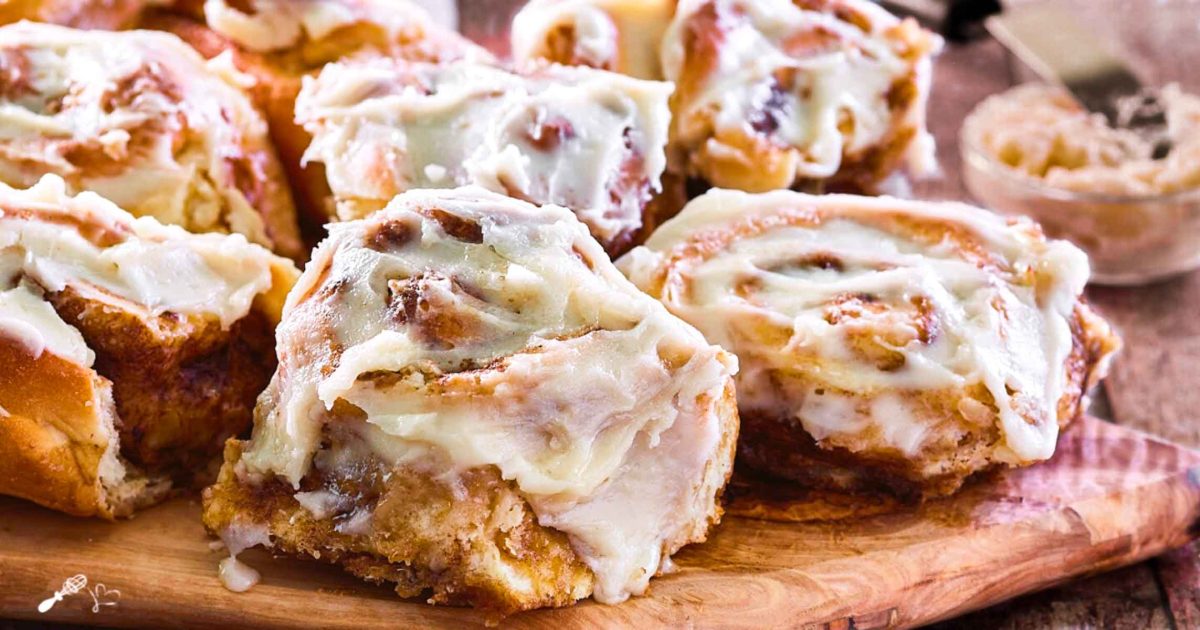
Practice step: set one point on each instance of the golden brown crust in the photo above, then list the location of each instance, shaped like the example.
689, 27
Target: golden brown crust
202, 388
455, 546
55, 425
782, 448
719, 470
261, 176
560, 47
107, 397
173, 389
623, 37
52, 438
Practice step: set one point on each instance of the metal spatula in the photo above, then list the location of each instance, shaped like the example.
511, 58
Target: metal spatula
1052, 42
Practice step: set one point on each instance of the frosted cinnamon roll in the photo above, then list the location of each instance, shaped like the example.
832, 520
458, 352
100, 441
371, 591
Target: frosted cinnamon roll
129, 350
280, 41
87, 14
885, 345
778, 93
139, 118
474, 404
589, 140
619, 35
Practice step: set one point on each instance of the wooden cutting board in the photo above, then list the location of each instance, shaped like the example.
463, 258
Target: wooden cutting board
1111, 496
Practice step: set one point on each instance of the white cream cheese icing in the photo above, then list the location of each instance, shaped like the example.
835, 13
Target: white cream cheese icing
235, 575
278, 24
1003, 320
272, 26
585, 139
27, 318
619, 35
474, 330
50, 240
845, 71
137, 117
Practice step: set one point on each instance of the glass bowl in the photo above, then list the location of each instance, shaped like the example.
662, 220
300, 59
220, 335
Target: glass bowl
1130, 239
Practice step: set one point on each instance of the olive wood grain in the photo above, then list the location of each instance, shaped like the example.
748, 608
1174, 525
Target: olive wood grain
1110, 497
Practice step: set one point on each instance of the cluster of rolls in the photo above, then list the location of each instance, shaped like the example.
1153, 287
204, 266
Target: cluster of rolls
463, 394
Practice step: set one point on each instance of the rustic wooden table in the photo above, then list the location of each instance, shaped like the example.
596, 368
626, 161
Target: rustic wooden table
1154, 387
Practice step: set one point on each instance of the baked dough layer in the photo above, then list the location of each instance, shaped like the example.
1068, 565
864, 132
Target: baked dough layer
774, 94
546, 430
465, 545
884, 344
120, 376
585, 139
617, 35
282, 41
140, 118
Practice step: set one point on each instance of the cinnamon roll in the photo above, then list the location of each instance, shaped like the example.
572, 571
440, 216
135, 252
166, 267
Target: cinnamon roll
885, 345
129, 350
139, 118
619, 35
87, 14
779, 93
589, 140
278, 42
474, 404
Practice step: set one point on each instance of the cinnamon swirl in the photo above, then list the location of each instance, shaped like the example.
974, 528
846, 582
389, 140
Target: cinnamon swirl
278, 42
139, 118
619, 35
473, 403
129, 350
778, 93
589, 140
884, 344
